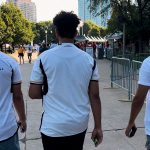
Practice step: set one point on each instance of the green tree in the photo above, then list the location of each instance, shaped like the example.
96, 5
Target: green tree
86, 28
39, 31
91, 29
135, 16
16, 28
2, 28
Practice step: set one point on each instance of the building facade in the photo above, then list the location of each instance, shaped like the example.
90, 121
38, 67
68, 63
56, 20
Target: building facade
84, 12
12, 1
27, 7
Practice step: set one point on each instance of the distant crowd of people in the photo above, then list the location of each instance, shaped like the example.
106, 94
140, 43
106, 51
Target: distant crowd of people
21, 52
29, 49
99, 48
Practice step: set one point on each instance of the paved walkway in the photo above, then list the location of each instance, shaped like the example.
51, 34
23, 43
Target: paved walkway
114, 113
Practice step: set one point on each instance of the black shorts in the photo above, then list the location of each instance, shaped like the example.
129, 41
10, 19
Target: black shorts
20, 54
74, 142
29, 54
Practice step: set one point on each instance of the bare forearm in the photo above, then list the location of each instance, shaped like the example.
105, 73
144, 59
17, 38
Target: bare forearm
96, 109
35, 91
135, 109
19, 106
35, 96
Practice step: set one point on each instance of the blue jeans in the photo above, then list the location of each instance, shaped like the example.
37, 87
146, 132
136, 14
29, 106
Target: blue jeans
11, 143
148, 142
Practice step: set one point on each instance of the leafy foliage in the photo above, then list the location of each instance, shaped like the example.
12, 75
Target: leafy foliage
14, 27
39, 31
91, 29
136, 17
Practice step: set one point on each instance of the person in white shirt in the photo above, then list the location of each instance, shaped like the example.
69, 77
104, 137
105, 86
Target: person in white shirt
143, 92
70, 79
29, 52
10, 98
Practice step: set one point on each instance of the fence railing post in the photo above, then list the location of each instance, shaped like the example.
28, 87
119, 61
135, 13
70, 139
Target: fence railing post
122, 71
112, 72
130, 81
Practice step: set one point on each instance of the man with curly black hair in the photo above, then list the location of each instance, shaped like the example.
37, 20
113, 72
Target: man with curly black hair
69, 78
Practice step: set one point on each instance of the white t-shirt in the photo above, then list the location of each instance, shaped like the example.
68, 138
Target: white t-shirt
144, 79
8, 125
66, 105
29, 51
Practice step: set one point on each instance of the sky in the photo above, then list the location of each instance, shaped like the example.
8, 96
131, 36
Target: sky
47, 9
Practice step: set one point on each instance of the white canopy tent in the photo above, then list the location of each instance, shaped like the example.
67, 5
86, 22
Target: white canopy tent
82, 38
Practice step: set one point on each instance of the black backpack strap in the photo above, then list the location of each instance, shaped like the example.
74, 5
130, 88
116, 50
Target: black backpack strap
93, 68
45, 83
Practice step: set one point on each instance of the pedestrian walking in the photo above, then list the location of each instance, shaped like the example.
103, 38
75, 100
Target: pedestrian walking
10, 98
143, 92
29, 51
69, 79
94, 49
53, 44
43, 48
21, 52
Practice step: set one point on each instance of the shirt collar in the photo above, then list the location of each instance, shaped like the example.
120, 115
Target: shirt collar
65, 44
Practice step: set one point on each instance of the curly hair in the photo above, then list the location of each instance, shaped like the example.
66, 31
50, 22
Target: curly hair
66, 24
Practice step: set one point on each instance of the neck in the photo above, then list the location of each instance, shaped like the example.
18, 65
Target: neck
66, 40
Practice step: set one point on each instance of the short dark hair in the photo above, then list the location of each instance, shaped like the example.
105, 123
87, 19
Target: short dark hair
66, 24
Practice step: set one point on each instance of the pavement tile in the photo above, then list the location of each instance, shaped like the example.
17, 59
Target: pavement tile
34, 145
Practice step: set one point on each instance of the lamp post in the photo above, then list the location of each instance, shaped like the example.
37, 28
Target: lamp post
46, 37
124, 4
83, 18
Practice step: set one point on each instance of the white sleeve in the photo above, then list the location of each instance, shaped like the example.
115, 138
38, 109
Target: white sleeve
36, 75
95, 75
144, 75
16, 78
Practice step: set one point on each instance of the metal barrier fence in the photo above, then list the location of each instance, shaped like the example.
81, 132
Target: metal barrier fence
120, 73
135, 67
124, 74
109, 53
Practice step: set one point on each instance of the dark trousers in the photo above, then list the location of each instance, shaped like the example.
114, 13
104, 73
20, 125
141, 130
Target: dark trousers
74, 142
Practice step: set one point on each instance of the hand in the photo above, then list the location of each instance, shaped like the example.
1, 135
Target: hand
22, 126
97, 136
129, 129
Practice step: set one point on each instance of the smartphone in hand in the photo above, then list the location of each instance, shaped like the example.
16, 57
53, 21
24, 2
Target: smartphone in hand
95, 142
20, 127
133, 131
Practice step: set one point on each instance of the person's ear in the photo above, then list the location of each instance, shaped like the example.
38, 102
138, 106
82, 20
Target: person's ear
56, 33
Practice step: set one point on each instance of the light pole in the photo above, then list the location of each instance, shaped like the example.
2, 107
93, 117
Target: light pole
124, 38
46, 37
83, 18
124, 4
